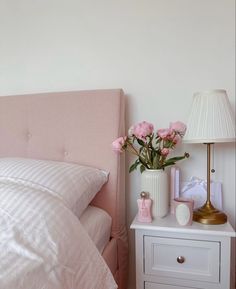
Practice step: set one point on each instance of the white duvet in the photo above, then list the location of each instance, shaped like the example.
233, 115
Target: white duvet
42, 243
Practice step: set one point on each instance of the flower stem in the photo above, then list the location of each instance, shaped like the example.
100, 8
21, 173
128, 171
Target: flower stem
132, 149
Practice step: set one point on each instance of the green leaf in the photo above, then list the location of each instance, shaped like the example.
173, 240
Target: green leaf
140, 142
141, 149
153, 153
168, 144
131, 169
134, 166
142, 168
175, 159
142, 161
168, 164
155, 162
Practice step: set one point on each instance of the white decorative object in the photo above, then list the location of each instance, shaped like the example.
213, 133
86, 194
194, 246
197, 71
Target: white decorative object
155, 182
184, 211
196, 189
182, 214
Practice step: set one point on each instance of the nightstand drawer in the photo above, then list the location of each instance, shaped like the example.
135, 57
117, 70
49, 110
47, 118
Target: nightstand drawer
182, 258
163, 286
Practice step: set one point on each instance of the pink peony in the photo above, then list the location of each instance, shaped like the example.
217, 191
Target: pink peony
165, 151
172, 135
177, 139
142, 130
179, 127
151, 150
164, 132
118, 144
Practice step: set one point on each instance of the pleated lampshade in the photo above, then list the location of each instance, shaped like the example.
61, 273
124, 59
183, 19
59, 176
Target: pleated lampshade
211, 119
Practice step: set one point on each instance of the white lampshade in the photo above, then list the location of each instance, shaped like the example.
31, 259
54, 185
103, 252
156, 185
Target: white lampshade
211, 119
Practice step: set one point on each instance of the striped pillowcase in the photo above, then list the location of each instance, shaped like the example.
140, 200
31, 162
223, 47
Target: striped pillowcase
74, 184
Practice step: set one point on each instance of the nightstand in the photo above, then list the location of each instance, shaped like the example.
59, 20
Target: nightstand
169, 256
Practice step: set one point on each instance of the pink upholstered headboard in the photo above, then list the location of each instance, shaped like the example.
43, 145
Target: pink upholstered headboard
75, 127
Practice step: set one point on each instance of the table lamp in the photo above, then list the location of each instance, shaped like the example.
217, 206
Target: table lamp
211, 121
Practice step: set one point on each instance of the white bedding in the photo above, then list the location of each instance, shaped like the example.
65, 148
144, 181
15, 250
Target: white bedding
43, 244
97, 223
77, 185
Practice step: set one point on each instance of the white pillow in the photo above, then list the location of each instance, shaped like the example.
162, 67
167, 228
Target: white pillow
76, 185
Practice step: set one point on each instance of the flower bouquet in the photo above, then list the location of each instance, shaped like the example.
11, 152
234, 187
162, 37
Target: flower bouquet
151, 148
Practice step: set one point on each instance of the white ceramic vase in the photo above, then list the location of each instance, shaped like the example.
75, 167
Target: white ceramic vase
155, 182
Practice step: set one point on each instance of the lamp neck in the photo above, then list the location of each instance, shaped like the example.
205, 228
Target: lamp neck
208, 171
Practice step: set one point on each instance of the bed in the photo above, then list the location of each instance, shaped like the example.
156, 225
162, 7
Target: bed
74, 127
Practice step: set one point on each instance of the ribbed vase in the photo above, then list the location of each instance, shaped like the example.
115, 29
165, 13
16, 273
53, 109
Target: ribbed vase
155, 182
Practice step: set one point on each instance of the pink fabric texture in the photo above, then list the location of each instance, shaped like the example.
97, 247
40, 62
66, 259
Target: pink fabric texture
110, 256
78, 127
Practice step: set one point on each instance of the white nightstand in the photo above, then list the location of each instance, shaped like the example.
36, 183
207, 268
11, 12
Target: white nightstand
169, 256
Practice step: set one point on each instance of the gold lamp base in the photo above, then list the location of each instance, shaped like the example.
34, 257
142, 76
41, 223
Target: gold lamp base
208, 215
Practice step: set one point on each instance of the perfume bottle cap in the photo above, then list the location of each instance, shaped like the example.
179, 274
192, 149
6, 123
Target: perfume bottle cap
144, 195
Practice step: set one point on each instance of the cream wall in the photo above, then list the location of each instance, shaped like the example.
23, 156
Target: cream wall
158, 51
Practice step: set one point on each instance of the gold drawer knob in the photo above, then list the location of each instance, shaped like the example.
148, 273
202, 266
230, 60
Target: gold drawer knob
180, 259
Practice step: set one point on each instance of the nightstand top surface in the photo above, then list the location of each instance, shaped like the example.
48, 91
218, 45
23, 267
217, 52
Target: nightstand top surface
169, 224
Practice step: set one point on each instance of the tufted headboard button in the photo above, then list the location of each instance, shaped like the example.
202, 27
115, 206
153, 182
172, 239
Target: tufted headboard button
29, 135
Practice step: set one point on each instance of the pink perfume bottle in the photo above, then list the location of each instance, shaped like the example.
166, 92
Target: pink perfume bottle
144, 208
